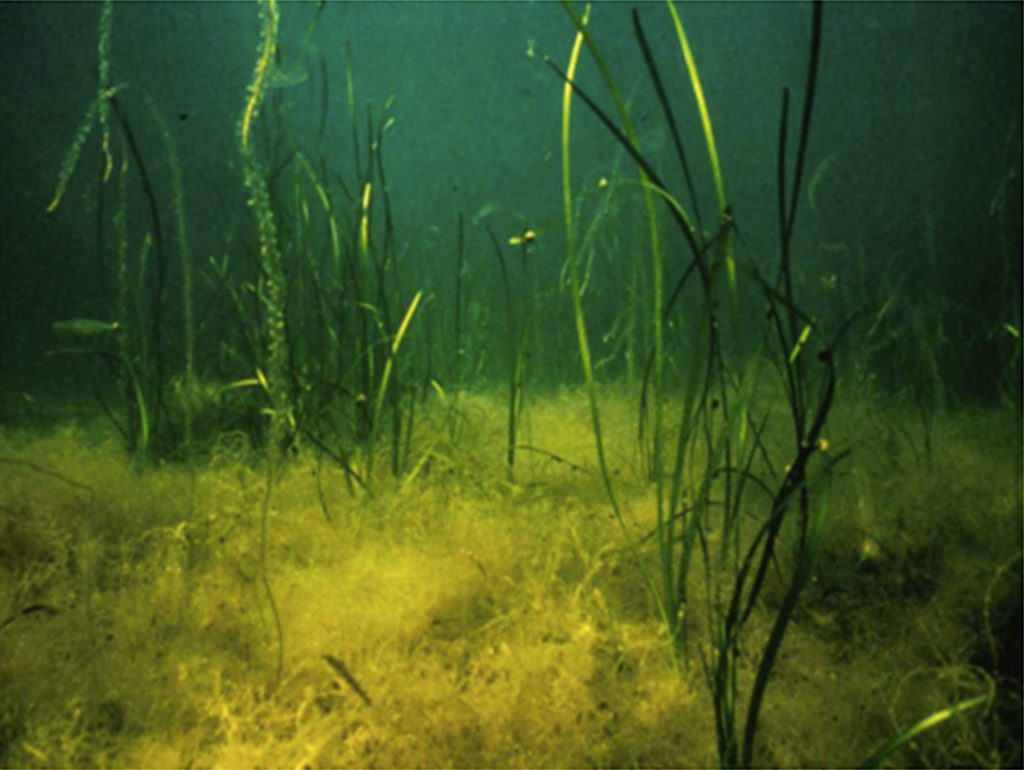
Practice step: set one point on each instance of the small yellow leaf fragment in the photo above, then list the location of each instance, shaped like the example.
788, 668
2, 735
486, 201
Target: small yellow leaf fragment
804, 336
528, 236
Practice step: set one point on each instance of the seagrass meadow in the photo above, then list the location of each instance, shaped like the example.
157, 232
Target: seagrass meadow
510, 385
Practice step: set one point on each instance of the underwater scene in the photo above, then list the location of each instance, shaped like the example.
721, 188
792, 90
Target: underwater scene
510, 384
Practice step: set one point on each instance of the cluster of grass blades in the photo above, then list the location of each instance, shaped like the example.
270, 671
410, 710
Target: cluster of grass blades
519, 337
315, 323
328, 357
719, 474
314, 344
321, 340
132, 342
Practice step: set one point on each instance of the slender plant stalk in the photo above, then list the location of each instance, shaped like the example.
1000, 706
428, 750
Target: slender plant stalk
274, 297
459, 355
396, 343
582, 339
512, 358
576, 289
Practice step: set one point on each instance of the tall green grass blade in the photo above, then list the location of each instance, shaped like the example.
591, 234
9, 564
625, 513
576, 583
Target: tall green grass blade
511, 354
670, 118
396, 343
702, 106
577, 298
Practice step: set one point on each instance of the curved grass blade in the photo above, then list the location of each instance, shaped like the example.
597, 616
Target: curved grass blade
925, 724
670, 118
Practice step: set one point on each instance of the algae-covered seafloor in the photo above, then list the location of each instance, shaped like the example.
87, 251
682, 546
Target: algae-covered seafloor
485, 622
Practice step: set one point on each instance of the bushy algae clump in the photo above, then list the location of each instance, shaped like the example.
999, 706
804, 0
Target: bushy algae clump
488, 623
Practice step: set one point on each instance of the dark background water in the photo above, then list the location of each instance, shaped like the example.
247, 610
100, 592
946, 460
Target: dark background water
918, 127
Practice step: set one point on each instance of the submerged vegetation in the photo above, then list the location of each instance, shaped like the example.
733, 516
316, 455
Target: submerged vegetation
488, 623
364, 523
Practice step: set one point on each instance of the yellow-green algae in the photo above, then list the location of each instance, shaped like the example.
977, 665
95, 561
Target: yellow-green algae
491, 623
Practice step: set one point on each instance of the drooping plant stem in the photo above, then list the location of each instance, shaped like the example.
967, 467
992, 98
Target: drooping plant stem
273, 297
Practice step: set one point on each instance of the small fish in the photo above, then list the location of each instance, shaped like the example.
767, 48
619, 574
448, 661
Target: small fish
85, 327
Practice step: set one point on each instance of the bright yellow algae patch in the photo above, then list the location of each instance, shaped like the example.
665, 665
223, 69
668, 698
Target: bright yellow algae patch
489, 623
